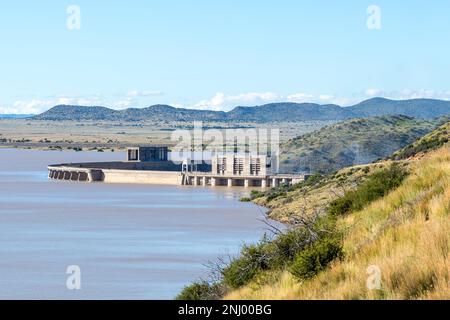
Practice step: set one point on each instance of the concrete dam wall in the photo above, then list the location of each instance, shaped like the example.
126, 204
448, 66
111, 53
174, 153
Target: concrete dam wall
150, 165
157, 172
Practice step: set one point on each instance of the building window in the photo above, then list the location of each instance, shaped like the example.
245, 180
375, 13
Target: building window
221, 165
255, 166
133, 155
238, 166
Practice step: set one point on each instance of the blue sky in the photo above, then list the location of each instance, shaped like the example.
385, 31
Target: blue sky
219, 54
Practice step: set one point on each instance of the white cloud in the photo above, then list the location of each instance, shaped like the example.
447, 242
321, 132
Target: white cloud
372, 92
77, 101
145, 93
299, 97
24, 107
418, 94
34, 106
225, 102
321, 99
122, 104
407, 94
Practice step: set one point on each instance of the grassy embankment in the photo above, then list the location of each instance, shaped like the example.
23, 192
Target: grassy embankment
405, 234
374, 215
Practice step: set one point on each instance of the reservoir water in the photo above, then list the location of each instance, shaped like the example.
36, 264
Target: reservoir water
129, 241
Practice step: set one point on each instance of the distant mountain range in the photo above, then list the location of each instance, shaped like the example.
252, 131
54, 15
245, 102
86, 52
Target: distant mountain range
418, 108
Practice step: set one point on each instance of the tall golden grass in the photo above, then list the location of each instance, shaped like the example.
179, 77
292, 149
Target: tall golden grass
405, 235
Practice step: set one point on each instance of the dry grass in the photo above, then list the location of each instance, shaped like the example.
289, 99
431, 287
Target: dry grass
406, 235
310, 199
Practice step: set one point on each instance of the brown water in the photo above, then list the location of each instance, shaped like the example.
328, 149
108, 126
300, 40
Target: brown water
130, 241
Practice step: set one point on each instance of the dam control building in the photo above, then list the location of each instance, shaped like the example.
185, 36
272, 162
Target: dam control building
152, 165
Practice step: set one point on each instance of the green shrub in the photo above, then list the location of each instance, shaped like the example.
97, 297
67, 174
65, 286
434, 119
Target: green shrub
254, 194
375, 187
315, 258
266, 255
243, 269
283, 249
342, 205
315, 179
306, 249
275, 193
201, 291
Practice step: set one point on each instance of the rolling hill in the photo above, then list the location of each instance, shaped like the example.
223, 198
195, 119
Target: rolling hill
417, 108
420, 108
431, 141
351, 142
290, 111
153, 113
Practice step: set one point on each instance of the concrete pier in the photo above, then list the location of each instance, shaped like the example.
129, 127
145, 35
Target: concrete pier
275, 182
214, 180
263, 183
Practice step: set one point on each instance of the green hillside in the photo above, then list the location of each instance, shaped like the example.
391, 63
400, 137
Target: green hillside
431, 141
418, 108
351, 142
